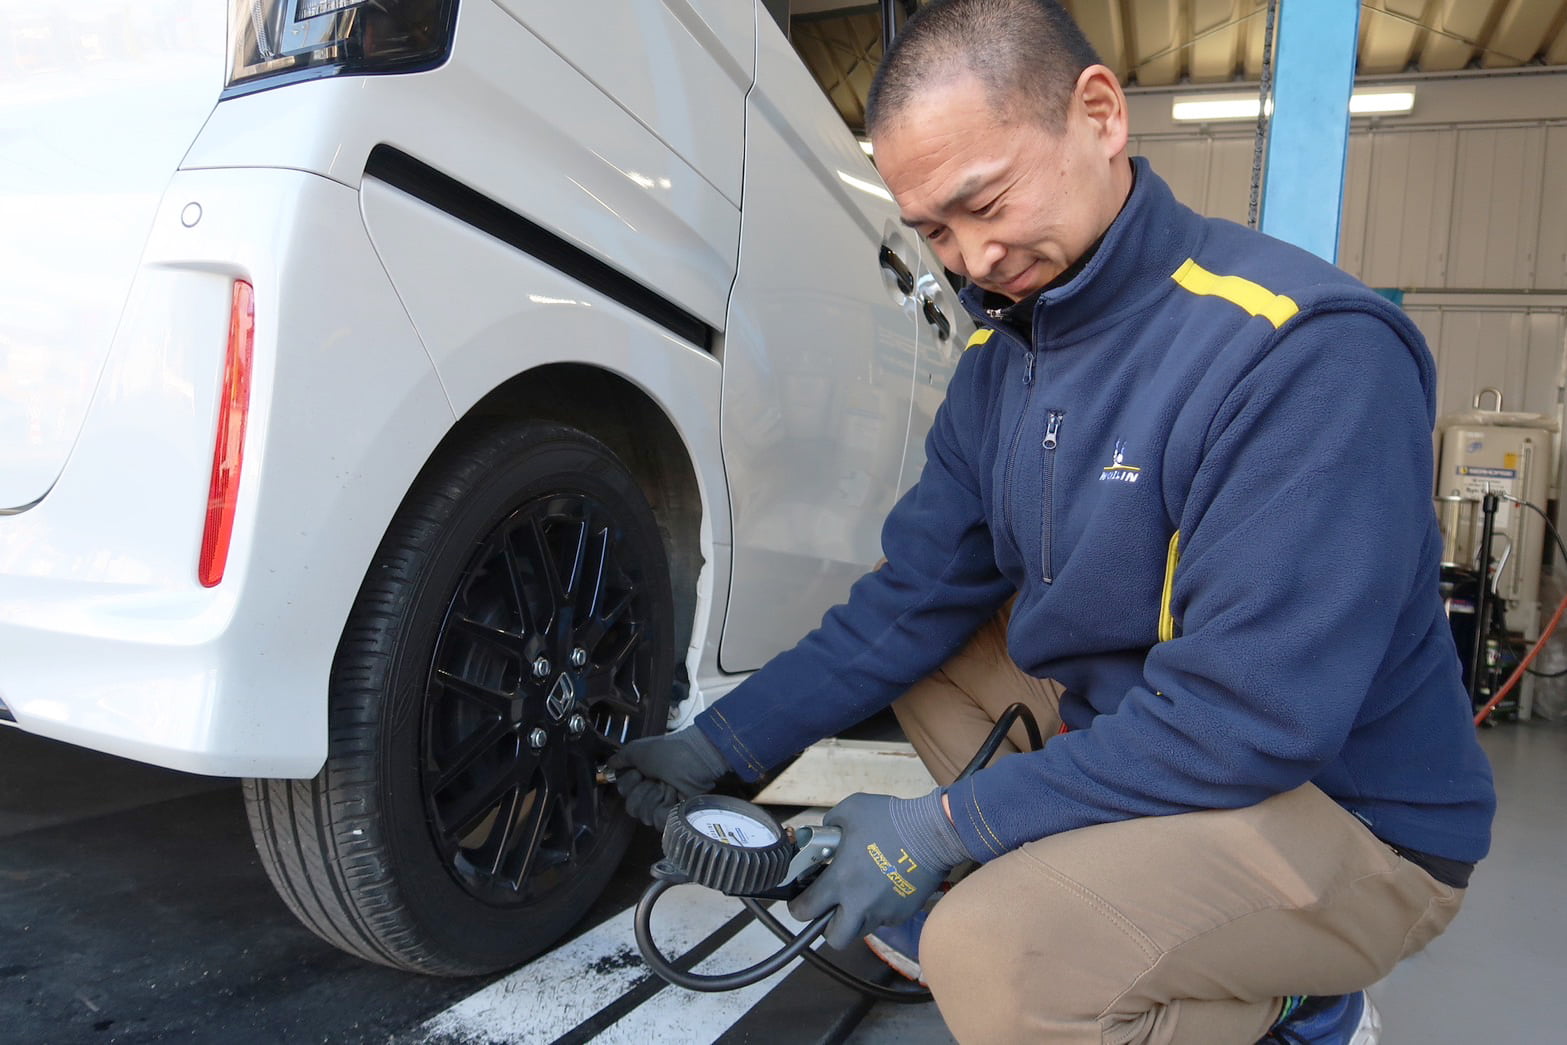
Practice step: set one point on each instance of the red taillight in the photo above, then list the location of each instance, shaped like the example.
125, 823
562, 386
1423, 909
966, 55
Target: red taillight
229, 451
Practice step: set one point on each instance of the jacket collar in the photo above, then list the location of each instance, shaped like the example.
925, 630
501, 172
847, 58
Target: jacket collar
1140, 251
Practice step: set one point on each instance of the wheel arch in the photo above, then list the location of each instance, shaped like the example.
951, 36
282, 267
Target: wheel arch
627, 419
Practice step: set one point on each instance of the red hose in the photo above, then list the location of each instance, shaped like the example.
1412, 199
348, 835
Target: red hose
1523, 665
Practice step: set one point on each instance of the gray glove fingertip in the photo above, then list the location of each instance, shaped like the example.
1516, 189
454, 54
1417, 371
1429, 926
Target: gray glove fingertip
842, 931
818, 898
626, 782
644, 802
803, 908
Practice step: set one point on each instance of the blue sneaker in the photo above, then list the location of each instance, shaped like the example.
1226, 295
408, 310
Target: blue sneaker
899, 946
1341, 1019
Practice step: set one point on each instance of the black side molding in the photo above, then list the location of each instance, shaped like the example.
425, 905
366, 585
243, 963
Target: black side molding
445, 193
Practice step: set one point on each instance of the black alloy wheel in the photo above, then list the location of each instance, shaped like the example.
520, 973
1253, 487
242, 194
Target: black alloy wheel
512, 632
540, 673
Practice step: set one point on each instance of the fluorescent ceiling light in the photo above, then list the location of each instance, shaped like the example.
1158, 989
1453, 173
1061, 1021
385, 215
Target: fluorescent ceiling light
1382, 100
865, 144
1231, 107
1204, 108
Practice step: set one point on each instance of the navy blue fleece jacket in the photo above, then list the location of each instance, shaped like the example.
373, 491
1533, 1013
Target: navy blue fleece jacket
1208, 479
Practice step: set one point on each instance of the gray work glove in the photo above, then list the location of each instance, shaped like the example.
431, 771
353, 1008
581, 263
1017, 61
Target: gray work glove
655, 773
894, 853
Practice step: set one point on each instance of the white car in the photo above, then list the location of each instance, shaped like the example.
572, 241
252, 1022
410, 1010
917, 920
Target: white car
403, 403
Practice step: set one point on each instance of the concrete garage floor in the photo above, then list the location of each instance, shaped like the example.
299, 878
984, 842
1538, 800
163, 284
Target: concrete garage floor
1497, 975
132, 909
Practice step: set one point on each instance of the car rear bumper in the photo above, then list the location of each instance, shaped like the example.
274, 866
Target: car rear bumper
107, 639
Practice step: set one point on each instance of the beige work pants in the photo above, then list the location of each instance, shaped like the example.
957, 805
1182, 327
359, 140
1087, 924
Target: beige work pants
1175, 929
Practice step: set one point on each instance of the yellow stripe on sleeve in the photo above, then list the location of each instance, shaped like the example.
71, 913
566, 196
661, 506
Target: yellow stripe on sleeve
1171, 559
1255, 299
979, 337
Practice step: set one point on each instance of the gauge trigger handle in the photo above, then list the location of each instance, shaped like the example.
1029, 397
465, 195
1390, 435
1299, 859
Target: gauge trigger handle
814, 847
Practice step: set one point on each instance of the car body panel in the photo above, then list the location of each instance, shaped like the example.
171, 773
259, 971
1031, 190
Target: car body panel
938, 358
681, 69
819, 363
537, 138
91, 136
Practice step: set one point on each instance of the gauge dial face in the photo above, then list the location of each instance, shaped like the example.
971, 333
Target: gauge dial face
732, 828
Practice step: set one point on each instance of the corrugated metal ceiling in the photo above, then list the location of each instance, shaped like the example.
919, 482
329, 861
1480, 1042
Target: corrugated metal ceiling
1157, 43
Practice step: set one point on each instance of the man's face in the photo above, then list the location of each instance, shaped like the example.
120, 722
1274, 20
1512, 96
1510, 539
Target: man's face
1003, 199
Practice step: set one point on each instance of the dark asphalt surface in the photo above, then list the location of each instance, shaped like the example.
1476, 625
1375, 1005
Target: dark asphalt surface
133, 909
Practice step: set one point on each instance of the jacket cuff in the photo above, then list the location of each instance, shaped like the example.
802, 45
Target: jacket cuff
716, 729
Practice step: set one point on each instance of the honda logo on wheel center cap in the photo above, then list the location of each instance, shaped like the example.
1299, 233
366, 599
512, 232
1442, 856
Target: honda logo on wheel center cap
562, 696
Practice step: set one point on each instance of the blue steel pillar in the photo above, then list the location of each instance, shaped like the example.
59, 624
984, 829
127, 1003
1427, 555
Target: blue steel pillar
1308, 133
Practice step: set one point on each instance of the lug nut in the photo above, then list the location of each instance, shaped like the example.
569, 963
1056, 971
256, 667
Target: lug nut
537, 738
541, 667
579, 657
577, 724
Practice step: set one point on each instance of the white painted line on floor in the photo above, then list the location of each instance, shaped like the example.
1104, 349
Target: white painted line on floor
557, 991
684, 1017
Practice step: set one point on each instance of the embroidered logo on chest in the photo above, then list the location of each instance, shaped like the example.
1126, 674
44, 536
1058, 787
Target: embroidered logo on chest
1118, 470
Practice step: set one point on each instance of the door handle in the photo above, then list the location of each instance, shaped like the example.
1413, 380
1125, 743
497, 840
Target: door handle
900, 272
936, 317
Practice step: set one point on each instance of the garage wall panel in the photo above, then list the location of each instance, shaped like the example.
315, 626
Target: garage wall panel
1229, 179
1357, 198
1496, 208
1550, 268
1408, 191
1517, 350
1547, 333
1186, 165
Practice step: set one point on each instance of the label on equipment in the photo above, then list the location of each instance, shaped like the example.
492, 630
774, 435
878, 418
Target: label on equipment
1474, 483
732, 828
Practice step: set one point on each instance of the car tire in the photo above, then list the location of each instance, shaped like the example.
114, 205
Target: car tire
513, 630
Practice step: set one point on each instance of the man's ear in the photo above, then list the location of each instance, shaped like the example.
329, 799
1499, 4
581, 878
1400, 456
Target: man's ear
1099, 99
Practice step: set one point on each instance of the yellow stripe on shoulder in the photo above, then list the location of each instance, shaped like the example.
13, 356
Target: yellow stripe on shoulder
1256, 299
979, 337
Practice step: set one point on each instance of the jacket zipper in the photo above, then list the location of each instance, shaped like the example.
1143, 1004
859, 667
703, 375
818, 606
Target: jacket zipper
1017, 437
1052, 438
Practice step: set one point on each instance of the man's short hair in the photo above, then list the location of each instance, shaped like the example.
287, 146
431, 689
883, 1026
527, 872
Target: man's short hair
1027, 53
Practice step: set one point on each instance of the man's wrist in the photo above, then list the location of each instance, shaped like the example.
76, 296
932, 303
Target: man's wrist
692, 763
927, 829
704, 751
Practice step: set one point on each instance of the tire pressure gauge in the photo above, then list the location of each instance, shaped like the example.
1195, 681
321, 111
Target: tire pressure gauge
737, 848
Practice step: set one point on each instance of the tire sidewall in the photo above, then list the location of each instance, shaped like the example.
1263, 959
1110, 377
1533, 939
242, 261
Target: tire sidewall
479, 488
